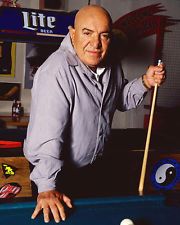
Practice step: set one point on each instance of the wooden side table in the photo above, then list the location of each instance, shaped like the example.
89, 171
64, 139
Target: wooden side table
7, 122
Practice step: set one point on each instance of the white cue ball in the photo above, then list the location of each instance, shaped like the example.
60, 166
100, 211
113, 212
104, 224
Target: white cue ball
126, 222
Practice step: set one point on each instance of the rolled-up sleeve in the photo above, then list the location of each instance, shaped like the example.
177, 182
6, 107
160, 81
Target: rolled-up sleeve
46, 133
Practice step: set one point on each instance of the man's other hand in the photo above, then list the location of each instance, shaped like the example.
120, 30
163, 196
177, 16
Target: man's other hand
52, 202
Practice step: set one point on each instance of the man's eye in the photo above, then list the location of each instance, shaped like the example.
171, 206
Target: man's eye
105, 36
86, 33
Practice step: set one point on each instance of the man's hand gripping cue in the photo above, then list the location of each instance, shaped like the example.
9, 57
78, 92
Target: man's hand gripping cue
155, 75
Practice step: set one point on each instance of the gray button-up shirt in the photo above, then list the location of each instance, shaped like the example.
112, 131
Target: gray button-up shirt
71, 113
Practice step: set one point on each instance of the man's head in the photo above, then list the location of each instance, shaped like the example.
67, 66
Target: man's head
91, 35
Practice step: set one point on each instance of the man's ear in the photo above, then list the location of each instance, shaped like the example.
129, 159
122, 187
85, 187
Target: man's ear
72, 33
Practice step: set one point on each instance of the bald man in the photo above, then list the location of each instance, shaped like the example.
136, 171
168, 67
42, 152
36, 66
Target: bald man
74, 97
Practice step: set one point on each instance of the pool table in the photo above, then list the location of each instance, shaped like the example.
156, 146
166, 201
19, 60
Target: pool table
142, 210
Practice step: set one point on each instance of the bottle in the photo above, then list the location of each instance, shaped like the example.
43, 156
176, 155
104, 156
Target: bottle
14, 106
18, 111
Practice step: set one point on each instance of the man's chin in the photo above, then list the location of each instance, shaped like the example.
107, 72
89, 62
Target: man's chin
94, 64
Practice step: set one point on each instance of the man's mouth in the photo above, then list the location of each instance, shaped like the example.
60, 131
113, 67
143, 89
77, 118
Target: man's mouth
94, 52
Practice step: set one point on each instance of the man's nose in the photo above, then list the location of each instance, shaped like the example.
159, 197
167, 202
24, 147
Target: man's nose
96, 41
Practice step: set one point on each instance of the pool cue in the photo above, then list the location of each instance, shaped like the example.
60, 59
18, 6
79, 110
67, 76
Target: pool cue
144, 164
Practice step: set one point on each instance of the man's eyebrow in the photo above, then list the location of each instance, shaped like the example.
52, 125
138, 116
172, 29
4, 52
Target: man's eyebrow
86, 29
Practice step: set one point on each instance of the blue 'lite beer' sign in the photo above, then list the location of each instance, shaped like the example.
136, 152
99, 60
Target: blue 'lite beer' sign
32, 25
33, 20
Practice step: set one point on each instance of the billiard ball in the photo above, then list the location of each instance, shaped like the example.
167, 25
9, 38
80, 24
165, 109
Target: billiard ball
126, 222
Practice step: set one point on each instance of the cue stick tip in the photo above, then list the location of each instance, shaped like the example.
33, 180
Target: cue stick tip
141, 193
159, 62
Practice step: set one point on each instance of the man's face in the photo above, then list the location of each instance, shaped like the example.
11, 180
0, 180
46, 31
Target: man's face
91, 38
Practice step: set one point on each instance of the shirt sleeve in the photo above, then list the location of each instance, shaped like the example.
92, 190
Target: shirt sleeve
132, 95
49, 118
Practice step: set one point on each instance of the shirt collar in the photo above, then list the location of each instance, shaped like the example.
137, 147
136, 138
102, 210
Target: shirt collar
99, 71
68, 48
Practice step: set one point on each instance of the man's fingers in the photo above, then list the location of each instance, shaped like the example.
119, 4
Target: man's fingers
61, 211
36, 211
46, 213
52, 204
159, 73
67, 201
55, 213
